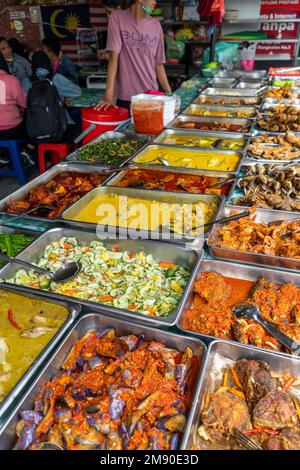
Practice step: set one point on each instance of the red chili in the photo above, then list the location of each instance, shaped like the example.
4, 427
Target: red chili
10, 315
115, 249
131, 255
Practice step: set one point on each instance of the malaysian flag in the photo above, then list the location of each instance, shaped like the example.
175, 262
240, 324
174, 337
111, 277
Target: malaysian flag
69, 46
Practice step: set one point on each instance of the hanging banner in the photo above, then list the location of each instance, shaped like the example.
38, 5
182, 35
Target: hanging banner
62, 22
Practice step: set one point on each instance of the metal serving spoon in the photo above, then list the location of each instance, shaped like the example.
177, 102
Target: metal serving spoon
65, 273
289, 234
19, 216
115, 169
251, 312
283, 167
208, 224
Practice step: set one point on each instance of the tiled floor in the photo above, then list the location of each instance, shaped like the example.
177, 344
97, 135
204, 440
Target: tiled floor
8, 184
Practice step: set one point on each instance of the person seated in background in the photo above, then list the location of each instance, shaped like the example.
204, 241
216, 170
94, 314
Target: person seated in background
41, 69
20, 49
12, 106
17, 65
61, 63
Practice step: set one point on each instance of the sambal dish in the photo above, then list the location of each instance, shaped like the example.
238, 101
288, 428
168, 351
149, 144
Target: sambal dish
215, 296
58, 193
167, 181
113, 393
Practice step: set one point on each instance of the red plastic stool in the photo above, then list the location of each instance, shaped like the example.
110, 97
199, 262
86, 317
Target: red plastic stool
57, 152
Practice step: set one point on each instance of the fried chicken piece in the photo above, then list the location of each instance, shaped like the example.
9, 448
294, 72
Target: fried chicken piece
213, 287
17, 207
288, 439
255, 377
225, 413
275, 411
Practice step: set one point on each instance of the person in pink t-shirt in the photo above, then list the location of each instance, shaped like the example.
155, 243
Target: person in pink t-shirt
136, 60
12, 104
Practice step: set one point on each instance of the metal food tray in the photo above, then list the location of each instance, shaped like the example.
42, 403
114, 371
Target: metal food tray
262, 216
271, 107
202, 134
160, 196
213, 174
206, 119
232, 111
248, 159
23, 192
255, 74
176, 254
193, 151
229, 100
234, 93
225, 349
100, 321
108, 135
244, 84
222, 82
236, 271
251, 162
74, 310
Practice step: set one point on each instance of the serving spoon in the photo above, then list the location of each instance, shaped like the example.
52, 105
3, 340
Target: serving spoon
115, 169
65, 273
224, 220
19, 216
250, 311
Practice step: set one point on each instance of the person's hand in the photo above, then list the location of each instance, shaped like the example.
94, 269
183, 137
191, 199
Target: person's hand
102, 54
107, 102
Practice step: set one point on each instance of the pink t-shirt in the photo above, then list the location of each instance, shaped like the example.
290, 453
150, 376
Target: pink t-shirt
140, 44
12, 101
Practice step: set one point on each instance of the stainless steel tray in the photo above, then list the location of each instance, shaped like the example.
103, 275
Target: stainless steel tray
222, 82
251, 162
23, 192
225, 349
192, 109
191, 152
14, 395
245, 84
236, 93
160, 196
109, 135
236, 271
262, 215
229, 100
214, 174
202, 134
229, 74
100, 321
183, 255
247, 123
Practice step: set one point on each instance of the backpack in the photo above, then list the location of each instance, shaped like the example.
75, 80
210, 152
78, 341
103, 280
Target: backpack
46, 118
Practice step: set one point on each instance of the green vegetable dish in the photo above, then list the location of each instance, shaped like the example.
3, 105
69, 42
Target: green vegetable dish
126, 280
12, 243
110, 152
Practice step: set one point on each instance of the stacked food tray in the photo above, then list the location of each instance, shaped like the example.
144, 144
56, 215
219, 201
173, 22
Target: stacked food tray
139, 295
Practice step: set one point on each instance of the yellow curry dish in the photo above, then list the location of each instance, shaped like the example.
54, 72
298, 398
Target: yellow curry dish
146, 214
189, 140
27, 325
187, 158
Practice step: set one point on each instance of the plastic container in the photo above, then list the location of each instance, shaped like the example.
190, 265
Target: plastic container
148, 115
106, 120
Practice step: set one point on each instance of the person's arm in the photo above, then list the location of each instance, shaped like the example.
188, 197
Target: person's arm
65, 87
162, 78
160, 60
68, 69
112, 68
114, 46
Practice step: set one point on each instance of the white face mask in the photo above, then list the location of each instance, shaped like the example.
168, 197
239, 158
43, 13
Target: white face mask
147, 9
